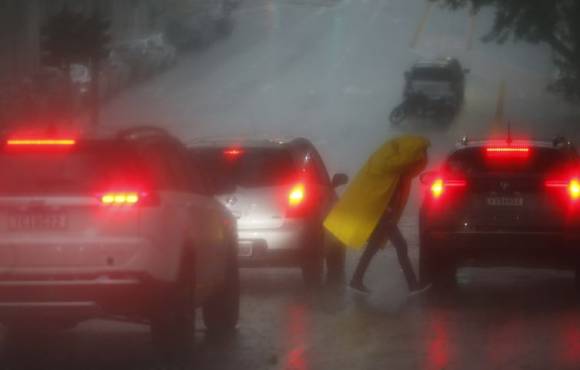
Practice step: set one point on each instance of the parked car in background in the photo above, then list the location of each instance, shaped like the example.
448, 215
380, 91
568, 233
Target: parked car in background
280, 192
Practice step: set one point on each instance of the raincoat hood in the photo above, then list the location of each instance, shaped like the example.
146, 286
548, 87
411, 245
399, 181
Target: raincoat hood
358, 211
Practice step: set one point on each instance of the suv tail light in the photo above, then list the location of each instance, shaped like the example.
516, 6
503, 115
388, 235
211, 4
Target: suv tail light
514, 151
128, 198
571, 187
440, 186
34, 145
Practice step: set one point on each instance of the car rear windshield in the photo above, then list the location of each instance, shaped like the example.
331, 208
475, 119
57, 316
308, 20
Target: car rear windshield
247, 167
540, 160
432, 74
87, 167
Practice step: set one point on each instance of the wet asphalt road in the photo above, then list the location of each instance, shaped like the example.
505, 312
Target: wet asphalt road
332, 70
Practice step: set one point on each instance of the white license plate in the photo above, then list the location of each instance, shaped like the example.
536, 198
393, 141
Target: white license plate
37, 221
505, 201
245, 249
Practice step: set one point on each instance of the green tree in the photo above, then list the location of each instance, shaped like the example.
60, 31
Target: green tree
553, 22
75, 38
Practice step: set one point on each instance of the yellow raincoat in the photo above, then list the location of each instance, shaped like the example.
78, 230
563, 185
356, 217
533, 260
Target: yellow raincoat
356, 214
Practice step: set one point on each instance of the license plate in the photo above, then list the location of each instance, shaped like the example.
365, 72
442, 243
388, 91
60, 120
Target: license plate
245, 249
37, 221
505, 201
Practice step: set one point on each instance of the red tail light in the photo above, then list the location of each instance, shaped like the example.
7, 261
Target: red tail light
120, 198
40, 142
26, 145
440, 185
572, 187
127, 198
300, 199
296, 195
233, 153
516, 151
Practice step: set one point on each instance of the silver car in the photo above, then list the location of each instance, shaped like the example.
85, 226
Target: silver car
279, 191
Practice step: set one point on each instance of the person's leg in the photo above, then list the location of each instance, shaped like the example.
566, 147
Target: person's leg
400, 244
375, 242
370, 250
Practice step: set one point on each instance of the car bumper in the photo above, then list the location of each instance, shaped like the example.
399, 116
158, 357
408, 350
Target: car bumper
535, 249
80, 298
282, 246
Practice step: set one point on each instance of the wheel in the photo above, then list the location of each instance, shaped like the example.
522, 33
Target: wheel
173, 323
436, 269
398, 114
313, 260
222, 311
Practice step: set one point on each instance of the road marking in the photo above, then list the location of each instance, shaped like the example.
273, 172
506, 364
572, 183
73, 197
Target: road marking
421, 25
471, 30
500, 106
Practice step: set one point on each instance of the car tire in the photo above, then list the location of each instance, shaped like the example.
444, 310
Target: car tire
436, 269
398, 114
173, 324
221, 312
313, 260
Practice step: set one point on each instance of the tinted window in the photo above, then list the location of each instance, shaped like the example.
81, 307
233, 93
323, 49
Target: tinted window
86, 168
248, 168
540, 160
433, 74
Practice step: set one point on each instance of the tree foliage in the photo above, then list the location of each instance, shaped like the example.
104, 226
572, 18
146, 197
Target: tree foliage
553, 22
70, 37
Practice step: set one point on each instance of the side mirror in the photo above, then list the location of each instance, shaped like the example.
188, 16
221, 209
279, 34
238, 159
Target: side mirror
339, 179
427, 178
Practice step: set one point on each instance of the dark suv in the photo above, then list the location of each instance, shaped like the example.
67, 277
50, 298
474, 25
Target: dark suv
501, 204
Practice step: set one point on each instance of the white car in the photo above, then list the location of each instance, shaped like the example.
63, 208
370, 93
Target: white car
280, 192
113, 227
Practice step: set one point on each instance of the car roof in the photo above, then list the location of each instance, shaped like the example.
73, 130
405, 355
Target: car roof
557, 143
435, 63
221, 142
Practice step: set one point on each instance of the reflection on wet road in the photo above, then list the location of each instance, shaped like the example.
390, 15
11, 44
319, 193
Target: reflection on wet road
495, 319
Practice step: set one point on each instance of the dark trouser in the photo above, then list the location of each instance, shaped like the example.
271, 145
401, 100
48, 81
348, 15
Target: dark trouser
386, 230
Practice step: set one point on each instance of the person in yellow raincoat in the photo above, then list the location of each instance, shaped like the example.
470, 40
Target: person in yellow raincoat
370, 208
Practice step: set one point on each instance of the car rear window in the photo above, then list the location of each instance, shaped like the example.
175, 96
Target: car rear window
247, 167
540, 160
432, 74
84, 168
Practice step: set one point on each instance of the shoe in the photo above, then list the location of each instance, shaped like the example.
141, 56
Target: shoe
419, 290
359, 287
